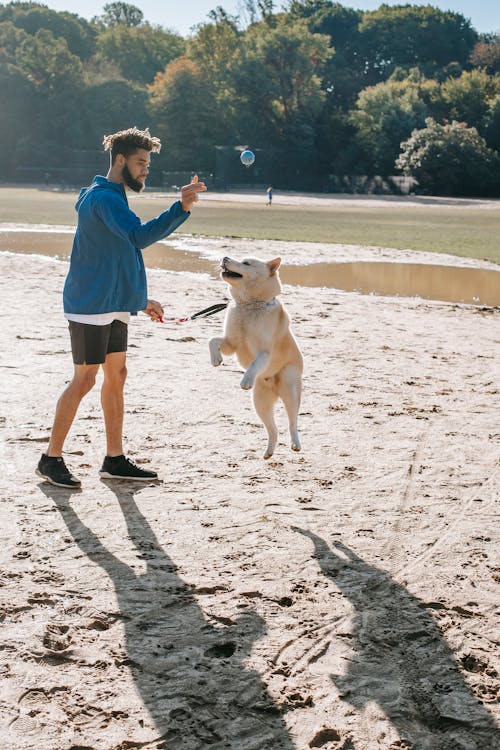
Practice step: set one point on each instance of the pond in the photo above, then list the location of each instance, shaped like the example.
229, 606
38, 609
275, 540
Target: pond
434, 282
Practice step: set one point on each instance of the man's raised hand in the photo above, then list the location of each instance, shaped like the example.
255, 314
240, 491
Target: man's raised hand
189, 193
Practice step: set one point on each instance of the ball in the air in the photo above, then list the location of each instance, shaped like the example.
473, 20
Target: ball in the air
247, 158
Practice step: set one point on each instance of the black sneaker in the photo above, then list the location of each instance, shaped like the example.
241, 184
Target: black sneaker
119, 467
55, 471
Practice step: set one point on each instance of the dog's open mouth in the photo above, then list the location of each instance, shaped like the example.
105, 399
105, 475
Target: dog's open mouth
227, 274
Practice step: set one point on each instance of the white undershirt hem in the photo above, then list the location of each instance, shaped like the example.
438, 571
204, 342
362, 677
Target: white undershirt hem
99, 319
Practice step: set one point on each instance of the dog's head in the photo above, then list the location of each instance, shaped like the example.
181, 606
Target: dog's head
252, 279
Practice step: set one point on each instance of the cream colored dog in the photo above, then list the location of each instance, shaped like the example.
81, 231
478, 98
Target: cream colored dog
257, 330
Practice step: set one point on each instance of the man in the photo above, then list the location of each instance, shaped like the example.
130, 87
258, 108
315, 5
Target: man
106, 283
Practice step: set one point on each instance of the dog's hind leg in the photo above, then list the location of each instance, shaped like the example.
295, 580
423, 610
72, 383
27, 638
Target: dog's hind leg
289, 389
264, 398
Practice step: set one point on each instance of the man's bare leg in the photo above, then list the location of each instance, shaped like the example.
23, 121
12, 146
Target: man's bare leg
115, 374
67, 406
115, 464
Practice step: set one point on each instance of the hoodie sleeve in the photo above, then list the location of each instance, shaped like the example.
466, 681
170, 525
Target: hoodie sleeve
119, 219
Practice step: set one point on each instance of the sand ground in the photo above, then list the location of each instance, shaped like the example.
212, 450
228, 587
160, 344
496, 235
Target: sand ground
342, 598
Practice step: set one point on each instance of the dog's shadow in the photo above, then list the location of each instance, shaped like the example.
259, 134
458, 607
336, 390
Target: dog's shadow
401, 661
189, 672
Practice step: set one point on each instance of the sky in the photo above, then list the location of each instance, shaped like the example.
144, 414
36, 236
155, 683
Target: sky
182, 16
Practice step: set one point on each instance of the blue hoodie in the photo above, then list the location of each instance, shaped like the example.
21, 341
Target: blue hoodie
106, 272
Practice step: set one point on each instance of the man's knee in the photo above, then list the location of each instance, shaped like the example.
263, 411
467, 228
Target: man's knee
116, 376
83, 382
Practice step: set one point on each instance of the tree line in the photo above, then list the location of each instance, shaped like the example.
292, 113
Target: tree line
315, 88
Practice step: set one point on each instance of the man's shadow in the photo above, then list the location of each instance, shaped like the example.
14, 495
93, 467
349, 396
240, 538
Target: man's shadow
190, 673
401, 661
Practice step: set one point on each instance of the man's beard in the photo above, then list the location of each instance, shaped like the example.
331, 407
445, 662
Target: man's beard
133, 184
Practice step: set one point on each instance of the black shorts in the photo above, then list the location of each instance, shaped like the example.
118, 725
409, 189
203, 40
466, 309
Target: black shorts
90, 344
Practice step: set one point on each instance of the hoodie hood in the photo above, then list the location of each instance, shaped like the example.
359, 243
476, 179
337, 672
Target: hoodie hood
99, 182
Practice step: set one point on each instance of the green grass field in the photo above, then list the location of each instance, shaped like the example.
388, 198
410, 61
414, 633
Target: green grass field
469, 231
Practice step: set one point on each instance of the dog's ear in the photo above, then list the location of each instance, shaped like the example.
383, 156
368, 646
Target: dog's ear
273, 265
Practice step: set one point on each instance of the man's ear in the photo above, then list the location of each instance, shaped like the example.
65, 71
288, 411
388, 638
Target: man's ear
273, 265
120, 160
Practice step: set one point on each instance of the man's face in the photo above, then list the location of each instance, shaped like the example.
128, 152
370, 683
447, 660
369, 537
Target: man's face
135, 170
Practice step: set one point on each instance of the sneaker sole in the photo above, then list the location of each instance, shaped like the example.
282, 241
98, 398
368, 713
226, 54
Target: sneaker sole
58, 484
107, 475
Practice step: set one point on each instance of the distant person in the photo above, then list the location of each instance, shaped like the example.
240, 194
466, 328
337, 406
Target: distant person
269, 193
106, 283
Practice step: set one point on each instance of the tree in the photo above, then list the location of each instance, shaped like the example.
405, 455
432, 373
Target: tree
466, 98
47, 61
486, 54
217, 49
491, 123
343, 75
386, 114
108, 106
10, 40
248, 12
184, 114
344, 72
41, 82
410, 36
16, 117
121, 14
278, 85
450, 159
78, 33
56, 77
139, 51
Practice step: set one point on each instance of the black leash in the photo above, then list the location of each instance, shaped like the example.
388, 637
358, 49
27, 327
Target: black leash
218, 307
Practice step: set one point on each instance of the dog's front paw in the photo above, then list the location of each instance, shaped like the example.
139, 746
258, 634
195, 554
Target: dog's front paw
215, 354
216, 359
247, 382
